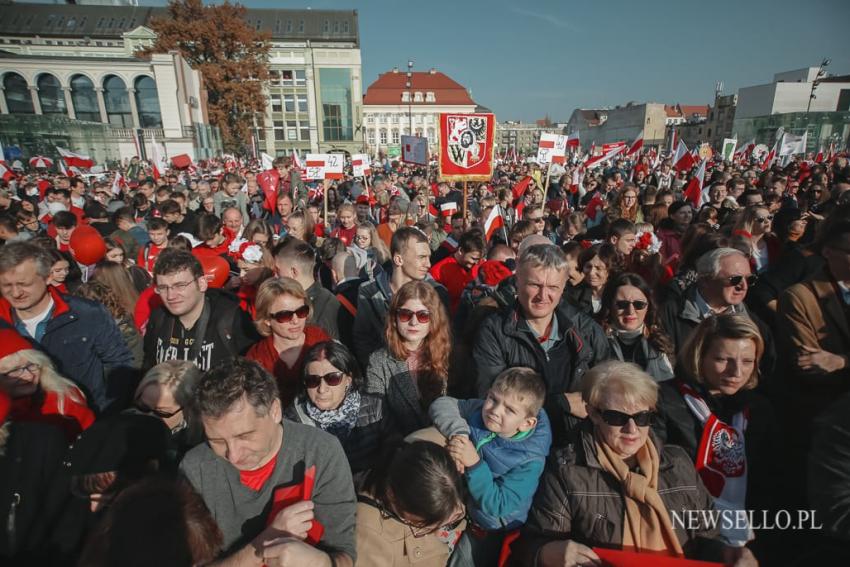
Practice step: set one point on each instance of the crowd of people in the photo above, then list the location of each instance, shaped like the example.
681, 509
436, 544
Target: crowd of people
197, 368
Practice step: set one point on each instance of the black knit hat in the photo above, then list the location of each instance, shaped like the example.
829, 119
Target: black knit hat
124, 443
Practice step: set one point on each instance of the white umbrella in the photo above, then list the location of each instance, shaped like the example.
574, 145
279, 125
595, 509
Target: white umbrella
41, 162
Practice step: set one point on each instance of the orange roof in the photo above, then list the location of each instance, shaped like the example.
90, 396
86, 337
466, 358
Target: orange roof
690, 110
389, 87
672, 111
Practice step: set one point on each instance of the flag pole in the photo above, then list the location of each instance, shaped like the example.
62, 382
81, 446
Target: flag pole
325, 199
504, 224
465, 205
546, 185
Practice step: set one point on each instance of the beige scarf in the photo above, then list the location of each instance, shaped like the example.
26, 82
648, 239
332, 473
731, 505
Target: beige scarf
647, 523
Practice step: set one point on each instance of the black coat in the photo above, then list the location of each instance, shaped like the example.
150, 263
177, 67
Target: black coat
504, 341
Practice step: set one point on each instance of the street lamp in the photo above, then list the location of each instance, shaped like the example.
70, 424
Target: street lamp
816, 82
409, 84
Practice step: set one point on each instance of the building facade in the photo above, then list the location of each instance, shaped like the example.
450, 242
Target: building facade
523, 137
621, 123
721, 120
391, 109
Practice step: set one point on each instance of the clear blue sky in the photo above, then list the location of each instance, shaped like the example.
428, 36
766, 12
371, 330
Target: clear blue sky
526, 59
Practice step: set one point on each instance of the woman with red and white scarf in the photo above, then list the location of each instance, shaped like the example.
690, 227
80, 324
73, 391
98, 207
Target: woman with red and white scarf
712, 411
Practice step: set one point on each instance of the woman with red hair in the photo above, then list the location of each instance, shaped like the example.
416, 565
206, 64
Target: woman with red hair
412, 370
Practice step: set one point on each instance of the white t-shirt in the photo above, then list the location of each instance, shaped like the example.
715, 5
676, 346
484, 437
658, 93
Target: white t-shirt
32, 324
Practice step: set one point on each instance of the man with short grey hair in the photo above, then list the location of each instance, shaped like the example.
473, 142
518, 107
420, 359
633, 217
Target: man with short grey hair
538, 332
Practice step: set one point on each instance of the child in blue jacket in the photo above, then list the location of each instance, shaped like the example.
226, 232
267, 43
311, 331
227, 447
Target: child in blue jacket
500, 443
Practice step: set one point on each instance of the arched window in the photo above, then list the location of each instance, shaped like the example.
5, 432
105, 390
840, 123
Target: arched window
117, 102
50, 95
18, 98
84, 99
147, 103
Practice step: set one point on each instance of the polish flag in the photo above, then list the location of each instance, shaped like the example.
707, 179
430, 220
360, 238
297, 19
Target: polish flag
608, 147
683, 160
448, 209
573, 141
696, 191
297, 161
605, 156
266, 160
118, 183
520, 208
744, 150
158, 160
636, 145
5, 173
594, 207
494, 222
62, 169
521, 187
819, 156
75, 160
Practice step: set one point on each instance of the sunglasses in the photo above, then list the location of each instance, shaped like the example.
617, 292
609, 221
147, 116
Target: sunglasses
286, 316
735, 281
619, 419
405, 315
763, 219
624, 304
159, 413
331, 379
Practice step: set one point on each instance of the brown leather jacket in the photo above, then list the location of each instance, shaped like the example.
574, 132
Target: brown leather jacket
578, 500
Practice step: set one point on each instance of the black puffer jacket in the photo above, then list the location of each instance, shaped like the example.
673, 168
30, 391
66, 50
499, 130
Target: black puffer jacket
580, 501
504, 341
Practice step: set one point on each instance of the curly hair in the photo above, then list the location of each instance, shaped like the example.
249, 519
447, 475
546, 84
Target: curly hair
101, 293
437, 345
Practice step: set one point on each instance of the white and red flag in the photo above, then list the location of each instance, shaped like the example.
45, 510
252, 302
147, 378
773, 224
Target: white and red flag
361, 165
608, 147
636, 145
494, 222
72, 159
573, 140
552, 148
696, 191
158, 160
448, 208
118, 183
683, 160
5, 173
613, 152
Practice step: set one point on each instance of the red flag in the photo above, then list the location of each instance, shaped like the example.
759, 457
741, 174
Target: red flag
521, 187
594, 207
432, 210
519, 209
636, 145
494, 222
6, 173
447, 209
268, 182
683, 160
573, 141
819, 156
696, 191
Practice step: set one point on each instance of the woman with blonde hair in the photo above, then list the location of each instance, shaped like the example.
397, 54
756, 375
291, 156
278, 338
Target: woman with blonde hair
368, 246
38, 392
300, 225
412, 370
282, 309
712, 411
259, 232
754, 226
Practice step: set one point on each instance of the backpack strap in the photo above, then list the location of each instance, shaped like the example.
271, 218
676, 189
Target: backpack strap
347, 304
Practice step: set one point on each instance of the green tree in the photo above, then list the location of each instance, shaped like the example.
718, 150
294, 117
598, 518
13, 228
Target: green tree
231, 55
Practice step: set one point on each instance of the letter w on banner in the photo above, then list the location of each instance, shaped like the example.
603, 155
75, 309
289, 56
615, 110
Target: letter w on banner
552, 148
323, 166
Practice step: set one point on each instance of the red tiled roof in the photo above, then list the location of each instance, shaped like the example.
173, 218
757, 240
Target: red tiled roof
690, 110
390, 86
672, 111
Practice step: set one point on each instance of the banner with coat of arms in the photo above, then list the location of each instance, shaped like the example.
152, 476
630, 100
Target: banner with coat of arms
466, 146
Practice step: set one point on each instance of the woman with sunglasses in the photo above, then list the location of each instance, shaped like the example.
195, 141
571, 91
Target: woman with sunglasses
727, 429
410, 510
616, 484
412, 370
281, 312
754, 227
38, 392
166, 393
330, 397
629, 318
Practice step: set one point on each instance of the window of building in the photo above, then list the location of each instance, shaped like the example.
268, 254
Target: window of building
417, 97
396, 138
286, 78
277, 103
370, 119
300, 77
291, 130
50, 95
289, 103
429, 97
147, 103
278, 130
117, 101
395, 118
288, 26
304, 128
326, 27
337, 119
277, 26
370, 137
84, 99
18, 97
345, 26
336, 26
431, 134
302, 102
405, 96
301, 26
383, 137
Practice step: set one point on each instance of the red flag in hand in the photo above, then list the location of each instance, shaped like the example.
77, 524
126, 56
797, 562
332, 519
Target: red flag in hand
285, 496
268, 182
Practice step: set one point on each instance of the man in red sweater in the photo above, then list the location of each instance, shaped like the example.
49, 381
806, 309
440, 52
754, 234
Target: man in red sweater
459, 269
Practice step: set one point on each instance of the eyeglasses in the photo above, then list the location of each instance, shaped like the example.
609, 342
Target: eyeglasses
765, 219
18, 372
418, 530
286, 315
619, 419
405, 315
735, 281
624, 304
163, 289
159, 413
331, 379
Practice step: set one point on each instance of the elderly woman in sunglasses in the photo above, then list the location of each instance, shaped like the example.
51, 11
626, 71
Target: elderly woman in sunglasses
754, 226
331, 398
412, 370
410, 510
629, 318
728, 430
281, 312
617, 484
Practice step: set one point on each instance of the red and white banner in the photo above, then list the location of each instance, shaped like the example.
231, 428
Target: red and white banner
466, 146
361, 165
683, 160
613, 145
593, 161
494, 222
636, 145
118, 183
323, 166
573, 141
414, 149
696, 191
448, 209
75, 160
41, 162
552, 148
158, 160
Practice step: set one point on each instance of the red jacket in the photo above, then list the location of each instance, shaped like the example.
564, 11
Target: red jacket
455, 277
287, 378
74, 418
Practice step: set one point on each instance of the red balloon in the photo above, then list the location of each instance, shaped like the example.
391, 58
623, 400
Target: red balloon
87, 245
216, 269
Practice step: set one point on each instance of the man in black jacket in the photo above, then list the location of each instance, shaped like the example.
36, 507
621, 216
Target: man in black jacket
537, 332
194, 323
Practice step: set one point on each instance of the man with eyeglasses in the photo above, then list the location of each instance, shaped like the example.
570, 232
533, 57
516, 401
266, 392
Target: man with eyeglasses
80, 336
724, 276
194, 322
